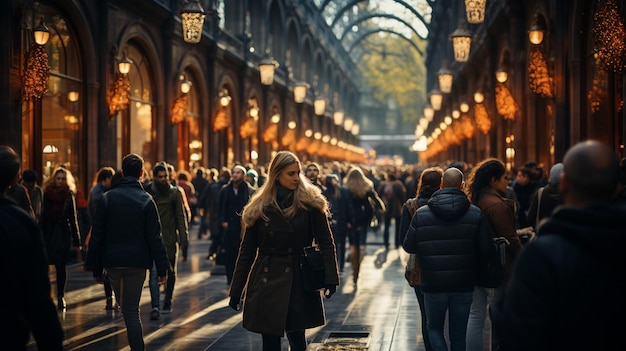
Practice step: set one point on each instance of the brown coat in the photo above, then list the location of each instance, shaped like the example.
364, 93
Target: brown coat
270, 280
500, 213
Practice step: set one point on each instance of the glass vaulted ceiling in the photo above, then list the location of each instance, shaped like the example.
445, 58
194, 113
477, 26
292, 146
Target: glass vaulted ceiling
353, 20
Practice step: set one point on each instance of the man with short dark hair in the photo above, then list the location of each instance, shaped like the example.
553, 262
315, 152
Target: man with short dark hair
125, 241
312, 173
26, 285
175, 232
568, 286
451, 238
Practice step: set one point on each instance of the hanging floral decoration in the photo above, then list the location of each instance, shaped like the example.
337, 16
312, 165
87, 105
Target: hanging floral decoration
303, 142
248, 128
35, 79
120, 95
483, 123
179, 109
538, 74
289, 138
221, 121
506, 105
609, 34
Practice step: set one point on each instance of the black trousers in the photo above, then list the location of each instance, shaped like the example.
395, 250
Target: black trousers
297, 341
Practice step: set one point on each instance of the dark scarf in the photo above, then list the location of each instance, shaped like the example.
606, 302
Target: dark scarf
284, 197
56, 197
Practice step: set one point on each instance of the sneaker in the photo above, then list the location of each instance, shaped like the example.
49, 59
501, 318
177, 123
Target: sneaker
154, 315
166, 309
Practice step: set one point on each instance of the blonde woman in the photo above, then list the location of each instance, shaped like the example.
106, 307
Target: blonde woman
59, 224
364, 199
285, 215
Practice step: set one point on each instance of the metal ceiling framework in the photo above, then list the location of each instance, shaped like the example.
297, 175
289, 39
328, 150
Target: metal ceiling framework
362, 17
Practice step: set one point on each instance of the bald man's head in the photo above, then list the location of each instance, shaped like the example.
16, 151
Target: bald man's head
591, 172
452, 178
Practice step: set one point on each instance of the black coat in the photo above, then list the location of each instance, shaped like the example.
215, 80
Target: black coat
268, 271
450, 237
26, 285
126, 231
568, 286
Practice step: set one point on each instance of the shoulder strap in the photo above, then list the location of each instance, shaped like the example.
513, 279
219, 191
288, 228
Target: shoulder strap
412, 206
539, 192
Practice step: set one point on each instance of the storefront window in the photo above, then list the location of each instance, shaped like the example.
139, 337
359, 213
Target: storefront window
62, 106
136, 132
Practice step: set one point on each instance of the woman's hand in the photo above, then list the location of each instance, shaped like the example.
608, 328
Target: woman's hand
329, 290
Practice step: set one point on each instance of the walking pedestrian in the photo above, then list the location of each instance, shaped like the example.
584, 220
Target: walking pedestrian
59, 223
233, 197
567, 289
450, 238
342, 214
125, 241
35, 192
364, 202
285, 215
547, 198
429, 182
393, 194
175, 233
102, 184
26, 286
487, 183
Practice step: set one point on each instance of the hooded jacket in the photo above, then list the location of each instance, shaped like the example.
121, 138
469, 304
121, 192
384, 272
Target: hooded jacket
450, 237
568, 286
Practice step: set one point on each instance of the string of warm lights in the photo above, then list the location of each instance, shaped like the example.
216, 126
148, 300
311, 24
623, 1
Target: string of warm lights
120, 96
35, 79
609, 34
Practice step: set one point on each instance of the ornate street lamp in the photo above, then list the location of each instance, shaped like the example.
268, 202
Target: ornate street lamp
267, 66
501, 75
192, 18
429, 112
338, 117
445, 78
299, 92
320, 105
475, 10
436, 99
461, 41
41, 33
535, 33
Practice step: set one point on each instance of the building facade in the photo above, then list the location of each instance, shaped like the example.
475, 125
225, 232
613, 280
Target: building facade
564, 65
86, 111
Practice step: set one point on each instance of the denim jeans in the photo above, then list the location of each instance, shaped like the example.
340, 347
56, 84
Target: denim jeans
457, 304
169, 286
420, 301
483, 299
127, 284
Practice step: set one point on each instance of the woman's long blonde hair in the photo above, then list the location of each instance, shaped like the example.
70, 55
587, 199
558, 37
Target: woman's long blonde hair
71, 182
306, 195
357, 182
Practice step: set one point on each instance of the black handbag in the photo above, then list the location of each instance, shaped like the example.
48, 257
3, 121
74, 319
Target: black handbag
491, 272
312, 270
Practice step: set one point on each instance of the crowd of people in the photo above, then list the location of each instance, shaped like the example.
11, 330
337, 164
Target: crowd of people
561, 227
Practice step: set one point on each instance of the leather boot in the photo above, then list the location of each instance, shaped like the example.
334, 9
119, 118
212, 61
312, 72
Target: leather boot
355, 260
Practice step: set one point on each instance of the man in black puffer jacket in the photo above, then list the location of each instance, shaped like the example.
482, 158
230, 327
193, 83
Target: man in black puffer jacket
450, 237
125, 240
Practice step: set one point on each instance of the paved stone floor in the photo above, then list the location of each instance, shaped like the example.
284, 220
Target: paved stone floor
383, 311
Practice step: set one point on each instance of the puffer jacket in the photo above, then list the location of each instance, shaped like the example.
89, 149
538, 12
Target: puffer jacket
450, 236
126, 231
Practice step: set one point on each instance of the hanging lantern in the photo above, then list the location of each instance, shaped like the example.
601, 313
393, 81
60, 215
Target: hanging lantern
436, 99
41, 33
192, 18
535, 33
475, 10
299, 92
320, 105
267, 66
445, 77
461, 41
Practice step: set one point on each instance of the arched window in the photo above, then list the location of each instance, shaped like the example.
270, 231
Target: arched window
62, 107
134, 127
